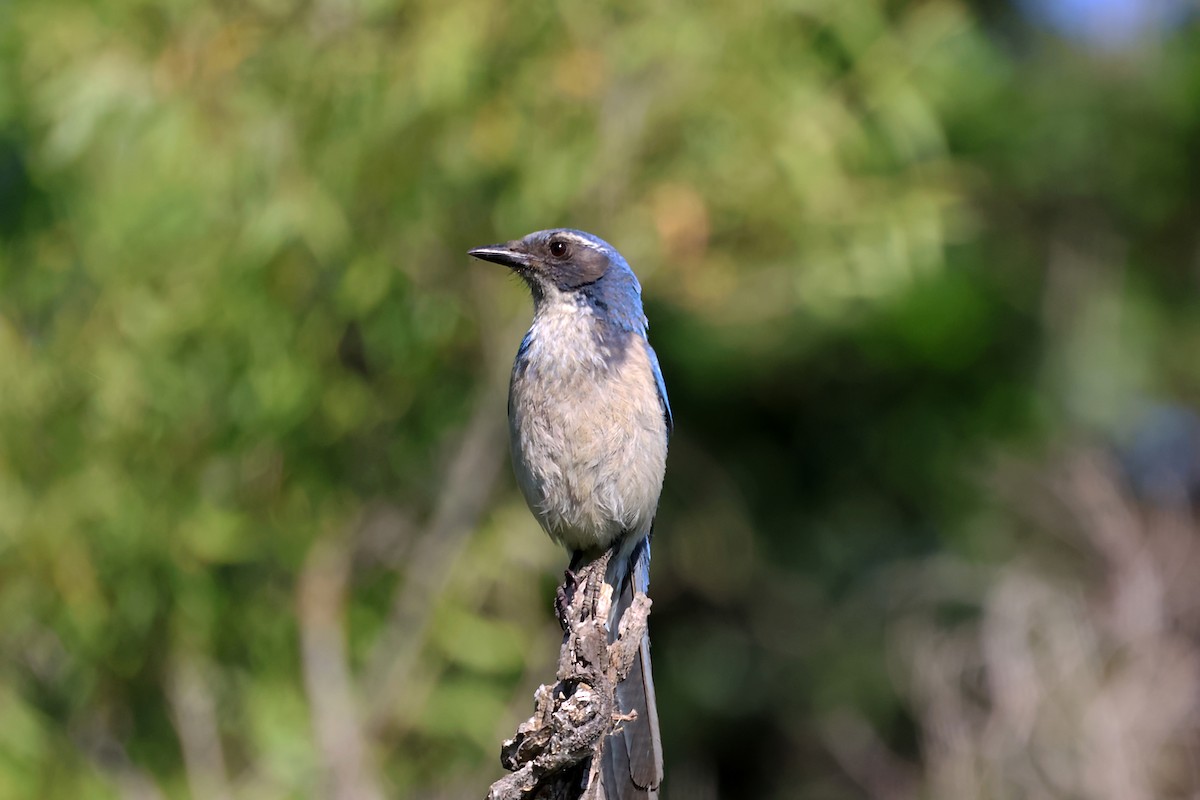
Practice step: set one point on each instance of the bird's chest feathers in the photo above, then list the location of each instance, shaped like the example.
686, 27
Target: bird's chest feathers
568, 382
563, 344
588, 435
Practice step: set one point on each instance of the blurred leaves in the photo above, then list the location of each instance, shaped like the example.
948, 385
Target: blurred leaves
881, 242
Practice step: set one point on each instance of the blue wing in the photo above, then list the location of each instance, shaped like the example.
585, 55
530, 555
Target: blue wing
519, 365
662, 389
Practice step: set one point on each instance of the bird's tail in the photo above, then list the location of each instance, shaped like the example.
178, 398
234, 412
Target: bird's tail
632, 767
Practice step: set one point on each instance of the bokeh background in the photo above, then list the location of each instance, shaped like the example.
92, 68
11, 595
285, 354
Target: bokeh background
923, 280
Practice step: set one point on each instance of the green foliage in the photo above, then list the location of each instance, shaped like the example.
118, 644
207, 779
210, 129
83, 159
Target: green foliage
238, 332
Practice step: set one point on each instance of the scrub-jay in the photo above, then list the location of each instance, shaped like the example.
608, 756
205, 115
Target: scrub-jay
589, 423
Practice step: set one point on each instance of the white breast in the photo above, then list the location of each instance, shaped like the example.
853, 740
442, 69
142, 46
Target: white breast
589, 439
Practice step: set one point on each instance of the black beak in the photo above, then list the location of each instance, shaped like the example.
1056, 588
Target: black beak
504, 254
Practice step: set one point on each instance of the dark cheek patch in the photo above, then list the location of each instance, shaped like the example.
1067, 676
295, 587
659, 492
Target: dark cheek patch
588, 266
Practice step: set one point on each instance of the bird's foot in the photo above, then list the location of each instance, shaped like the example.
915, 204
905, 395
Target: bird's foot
564, 595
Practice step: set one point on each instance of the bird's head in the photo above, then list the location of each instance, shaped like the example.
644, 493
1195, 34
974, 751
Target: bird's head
566, 261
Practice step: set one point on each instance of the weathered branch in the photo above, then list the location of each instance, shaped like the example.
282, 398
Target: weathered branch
555, 754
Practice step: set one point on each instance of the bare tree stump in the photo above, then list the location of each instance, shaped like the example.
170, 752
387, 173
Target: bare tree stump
555, 754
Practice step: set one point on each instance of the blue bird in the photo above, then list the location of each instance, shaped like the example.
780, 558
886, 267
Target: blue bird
589, 423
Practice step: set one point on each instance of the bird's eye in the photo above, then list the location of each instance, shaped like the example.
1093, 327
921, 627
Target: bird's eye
558, 248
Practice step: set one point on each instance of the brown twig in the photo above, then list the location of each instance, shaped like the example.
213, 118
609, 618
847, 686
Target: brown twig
194, 712
341, 743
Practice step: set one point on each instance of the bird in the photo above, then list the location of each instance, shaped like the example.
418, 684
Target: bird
589, 426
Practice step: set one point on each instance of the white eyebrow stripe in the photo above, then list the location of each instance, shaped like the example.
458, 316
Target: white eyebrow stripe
580, 240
